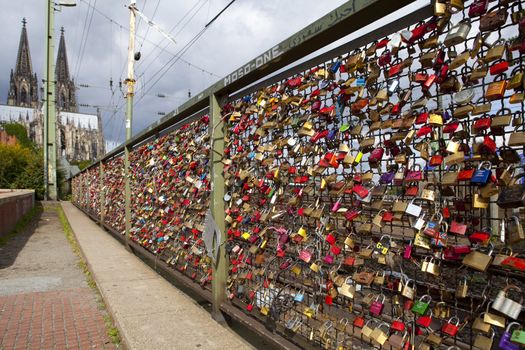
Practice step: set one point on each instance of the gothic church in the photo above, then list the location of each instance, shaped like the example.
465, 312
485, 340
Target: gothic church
79, 136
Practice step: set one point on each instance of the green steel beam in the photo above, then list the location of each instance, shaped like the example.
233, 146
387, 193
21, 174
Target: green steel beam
220, 267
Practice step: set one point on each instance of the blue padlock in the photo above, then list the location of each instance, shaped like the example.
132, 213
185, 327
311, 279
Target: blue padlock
335, 67
361, 81
482, 175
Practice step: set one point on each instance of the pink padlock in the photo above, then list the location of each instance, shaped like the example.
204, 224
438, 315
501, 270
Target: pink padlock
376, 308
407, 254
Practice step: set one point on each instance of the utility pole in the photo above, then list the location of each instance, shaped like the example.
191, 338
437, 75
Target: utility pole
50, 150
50, 117
130, 82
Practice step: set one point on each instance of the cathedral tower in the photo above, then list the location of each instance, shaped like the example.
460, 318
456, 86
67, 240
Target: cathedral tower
65, 86
23, 87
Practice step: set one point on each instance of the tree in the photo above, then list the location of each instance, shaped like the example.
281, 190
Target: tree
18, 130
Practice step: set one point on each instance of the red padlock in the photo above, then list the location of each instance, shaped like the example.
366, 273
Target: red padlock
451, 326
499, 67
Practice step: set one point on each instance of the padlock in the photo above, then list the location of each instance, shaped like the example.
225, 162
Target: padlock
441, 310
348, 289
451, 327
518, 337
376, 308
408, 290
462, 289
495, 52
493, 319
458, 33
421, 306
367, 330
435, 119
504, 342
440, 8
315, 266
379, 278
433, 268
496, 90
506, 305
515, 230
478, 260
433, 225
480, 325
379, 335
453, 145
420, 222
407, 252
483, 342
482, 175
480, 202
456, 6
413, 209
396, 341
428, 194
378, 218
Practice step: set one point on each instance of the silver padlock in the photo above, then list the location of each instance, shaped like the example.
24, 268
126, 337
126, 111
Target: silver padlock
458, 33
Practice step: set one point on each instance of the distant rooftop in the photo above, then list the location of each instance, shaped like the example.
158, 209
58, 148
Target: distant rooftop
13, 113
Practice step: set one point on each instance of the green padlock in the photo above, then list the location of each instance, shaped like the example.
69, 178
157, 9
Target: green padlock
518, 337
421, 306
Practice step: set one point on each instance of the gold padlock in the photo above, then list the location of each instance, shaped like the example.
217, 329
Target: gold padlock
440, 8
483, 342
436, 119
378, 218
441, 310
315, 266
453, 145
516, 81
495, 52
429, 194
480, 325
462, 289
479, 202
456, 5
379, 335
367, 331
496, 90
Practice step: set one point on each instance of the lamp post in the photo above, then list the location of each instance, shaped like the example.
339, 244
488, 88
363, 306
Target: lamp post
50, 150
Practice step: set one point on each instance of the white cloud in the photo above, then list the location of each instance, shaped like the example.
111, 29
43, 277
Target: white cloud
245, 30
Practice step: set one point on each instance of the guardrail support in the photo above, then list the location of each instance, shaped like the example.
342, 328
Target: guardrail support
220, 268
102, 194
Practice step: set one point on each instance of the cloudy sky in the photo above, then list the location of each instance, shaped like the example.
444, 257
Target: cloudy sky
97, 41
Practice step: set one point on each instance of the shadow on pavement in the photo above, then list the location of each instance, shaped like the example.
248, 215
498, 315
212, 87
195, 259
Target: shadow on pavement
10, 251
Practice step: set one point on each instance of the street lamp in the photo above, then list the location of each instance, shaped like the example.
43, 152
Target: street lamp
50, 151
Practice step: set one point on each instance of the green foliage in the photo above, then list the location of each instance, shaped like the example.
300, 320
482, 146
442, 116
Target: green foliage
22, 168
18, 130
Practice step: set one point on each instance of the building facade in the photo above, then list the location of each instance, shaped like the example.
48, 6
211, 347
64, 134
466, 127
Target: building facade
79, 135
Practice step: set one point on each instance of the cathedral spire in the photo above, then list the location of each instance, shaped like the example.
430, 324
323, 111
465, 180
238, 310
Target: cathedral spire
23, 89
65, 87
23, 60
62, 68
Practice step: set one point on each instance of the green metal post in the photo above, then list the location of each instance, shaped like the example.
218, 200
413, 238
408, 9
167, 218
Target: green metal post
50, 152
101, 192
220, 268
130, 81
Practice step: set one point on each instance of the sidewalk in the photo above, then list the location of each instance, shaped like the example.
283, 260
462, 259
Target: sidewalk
149, 312
45, 302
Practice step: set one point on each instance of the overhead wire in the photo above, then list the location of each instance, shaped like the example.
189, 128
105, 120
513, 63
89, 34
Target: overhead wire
148, 27
82, 35
85, 41
174, 60
172, 29
149, 41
